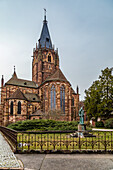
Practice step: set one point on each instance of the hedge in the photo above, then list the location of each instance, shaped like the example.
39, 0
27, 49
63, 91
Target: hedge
109, 123
43, 125
99, 124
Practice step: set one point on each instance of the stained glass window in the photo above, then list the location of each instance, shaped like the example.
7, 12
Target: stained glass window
62, 98
53, 97
72, 101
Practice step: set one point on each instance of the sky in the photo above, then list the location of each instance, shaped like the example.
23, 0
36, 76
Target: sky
82, 30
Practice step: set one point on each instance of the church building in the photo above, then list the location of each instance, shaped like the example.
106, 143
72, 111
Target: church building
48, 92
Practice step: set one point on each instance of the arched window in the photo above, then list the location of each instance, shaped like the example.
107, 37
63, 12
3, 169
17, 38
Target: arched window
62, 98
72, 101
19, 107
49, 58
44, 99
11, 108
53, 97
35, 108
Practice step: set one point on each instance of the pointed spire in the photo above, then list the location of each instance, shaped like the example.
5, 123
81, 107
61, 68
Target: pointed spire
36, 46
45, 36
2, 81
14, 74
77, 90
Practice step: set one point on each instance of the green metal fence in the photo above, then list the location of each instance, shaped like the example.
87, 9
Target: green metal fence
60, 141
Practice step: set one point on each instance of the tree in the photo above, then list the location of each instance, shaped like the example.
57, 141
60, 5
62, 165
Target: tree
99, 97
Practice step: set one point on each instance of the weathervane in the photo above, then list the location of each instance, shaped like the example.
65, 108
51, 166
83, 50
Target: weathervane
44, 11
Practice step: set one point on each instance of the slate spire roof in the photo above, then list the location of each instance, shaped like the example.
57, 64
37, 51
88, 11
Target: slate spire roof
45, 39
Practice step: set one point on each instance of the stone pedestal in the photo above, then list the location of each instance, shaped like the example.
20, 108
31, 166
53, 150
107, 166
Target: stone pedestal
82, 132
81, 127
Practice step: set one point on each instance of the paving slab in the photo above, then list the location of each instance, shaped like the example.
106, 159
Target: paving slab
67, 161
7, 158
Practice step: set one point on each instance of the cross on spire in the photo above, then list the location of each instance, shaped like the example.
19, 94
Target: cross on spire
14, 68
45, 14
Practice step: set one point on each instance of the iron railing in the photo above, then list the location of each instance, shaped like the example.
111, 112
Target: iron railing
60, 141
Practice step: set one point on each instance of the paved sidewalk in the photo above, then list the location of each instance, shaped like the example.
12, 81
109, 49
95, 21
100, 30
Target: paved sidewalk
67, 161
7, 157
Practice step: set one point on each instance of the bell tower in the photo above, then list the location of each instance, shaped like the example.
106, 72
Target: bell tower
45, 58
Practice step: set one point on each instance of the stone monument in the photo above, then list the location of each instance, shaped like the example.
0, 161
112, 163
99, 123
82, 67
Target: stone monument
81, 125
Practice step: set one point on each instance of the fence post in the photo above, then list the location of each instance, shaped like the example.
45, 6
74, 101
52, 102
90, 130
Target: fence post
105, 142
79, 142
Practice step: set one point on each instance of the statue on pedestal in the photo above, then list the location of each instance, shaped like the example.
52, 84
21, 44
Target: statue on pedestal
81, 114
81, 133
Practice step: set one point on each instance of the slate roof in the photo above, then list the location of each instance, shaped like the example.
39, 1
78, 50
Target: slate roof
57, 76
18, 95
32, 97
37, 113
45, 36
28, 96
20, 82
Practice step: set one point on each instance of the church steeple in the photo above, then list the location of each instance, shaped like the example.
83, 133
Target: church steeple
45, 58
45, 39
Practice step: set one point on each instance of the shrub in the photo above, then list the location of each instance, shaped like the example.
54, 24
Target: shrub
99, 124
109, 123
43, 125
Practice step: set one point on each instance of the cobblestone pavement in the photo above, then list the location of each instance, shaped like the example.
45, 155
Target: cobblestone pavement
67, 161
7, 157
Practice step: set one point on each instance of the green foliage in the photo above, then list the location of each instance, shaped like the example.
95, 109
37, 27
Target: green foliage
99, 97
109, 123
43, 125
99, 124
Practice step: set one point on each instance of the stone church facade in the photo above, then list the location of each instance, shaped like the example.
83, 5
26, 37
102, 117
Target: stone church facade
49, 90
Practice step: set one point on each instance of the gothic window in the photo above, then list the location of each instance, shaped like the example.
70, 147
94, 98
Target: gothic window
44, 103
72, 101
11, 108
19, 107
47, 39
49, 58
35, 108
53, 97
62, 98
